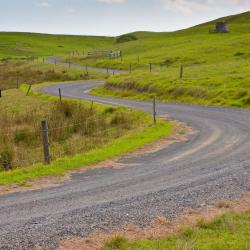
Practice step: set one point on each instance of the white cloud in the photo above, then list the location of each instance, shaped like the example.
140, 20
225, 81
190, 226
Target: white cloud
190, 6
113, 1
44, 4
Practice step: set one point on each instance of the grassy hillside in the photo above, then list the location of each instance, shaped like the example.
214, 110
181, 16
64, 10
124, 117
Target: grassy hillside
18, 45
216, 66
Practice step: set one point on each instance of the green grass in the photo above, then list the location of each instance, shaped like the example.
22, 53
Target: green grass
22, 45
227, 232
129, 142
34, 72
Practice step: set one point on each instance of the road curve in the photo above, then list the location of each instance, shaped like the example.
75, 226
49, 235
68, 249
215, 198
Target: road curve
213, 164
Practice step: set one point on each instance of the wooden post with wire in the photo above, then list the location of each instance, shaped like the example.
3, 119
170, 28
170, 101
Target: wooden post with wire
181, 71
60, 95
45, 136
28, 91
154, 110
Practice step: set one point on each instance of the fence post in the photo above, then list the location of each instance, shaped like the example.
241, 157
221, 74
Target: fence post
130, 68
181, 72
43, 59
138, 59
60, 95
121, 56
154, 110
0, 93
45, 135
150, 67
55, 62
69, 65
28, 91
107, 70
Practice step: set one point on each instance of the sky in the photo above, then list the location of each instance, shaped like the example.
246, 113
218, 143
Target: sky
111, 17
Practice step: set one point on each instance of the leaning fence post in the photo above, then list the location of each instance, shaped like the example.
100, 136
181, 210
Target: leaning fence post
60, 95
181, 72
45, 135
154, 110
28, 91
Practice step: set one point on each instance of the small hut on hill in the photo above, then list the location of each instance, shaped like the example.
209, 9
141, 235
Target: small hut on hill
222, 27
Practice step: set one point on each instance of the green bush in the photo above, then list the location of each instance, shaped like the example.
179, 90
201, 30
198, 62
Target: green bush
6, 158
126, 38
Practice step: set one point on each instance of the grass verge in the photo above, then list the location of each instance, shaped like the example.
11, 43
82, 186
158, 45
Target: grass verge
227, 232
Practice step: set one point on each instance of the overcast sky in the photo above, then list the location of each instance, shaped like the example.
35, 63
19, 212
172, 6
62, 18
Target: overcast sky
111, 17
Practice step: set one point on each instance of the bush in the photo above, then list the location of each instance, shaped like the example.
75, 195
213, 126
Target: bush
126, 38
117, 243
21, 136
6, 158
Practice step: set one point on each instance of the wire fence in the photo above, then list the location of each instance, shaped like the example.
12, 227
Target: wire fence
22, 147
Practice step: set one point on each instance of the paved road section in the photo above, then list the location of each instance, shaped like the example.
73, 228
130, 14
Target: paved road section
213, 164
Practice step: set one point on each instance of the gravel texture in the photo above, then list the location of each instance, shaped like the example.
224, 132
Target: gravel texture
213, 164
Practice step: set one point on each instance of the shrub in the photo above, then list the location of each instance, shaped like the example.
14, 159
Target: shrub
126, 38
22, 135
6, 158
117, 243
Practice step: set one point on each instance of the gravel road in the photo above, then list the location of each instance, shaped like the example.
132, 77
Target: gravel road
213, 164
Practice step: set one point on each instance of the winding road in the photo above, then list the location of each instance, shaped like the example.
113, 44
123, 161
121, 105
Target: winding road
213, 164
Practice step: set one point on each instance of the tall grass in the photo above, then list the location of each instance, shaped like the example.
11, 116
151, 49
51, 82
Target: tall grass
73, 128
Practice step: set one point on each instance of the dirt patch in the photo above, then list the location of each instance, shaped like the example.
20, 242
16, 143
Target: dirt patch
181, 132
160, 227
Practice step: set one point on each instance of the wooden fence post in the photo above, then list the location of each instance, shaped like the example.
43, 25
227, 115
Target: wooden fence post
60, 95
69, 65
181, 72
130, 68
154, 110
45, 136
28, 91
0, 93
55, 62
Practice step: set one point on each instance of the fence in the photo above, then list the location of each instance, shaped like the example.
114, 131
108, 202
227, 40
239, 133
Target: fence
21, 147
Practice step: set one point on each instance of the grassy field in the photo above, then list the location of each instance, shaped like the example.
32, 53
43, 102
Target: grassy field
227, 232
216, 66
23, 45
34, 72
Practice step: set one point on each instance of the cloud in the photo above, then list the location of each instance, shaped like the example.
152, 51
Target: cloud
44, 4
190, 6
113, 1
